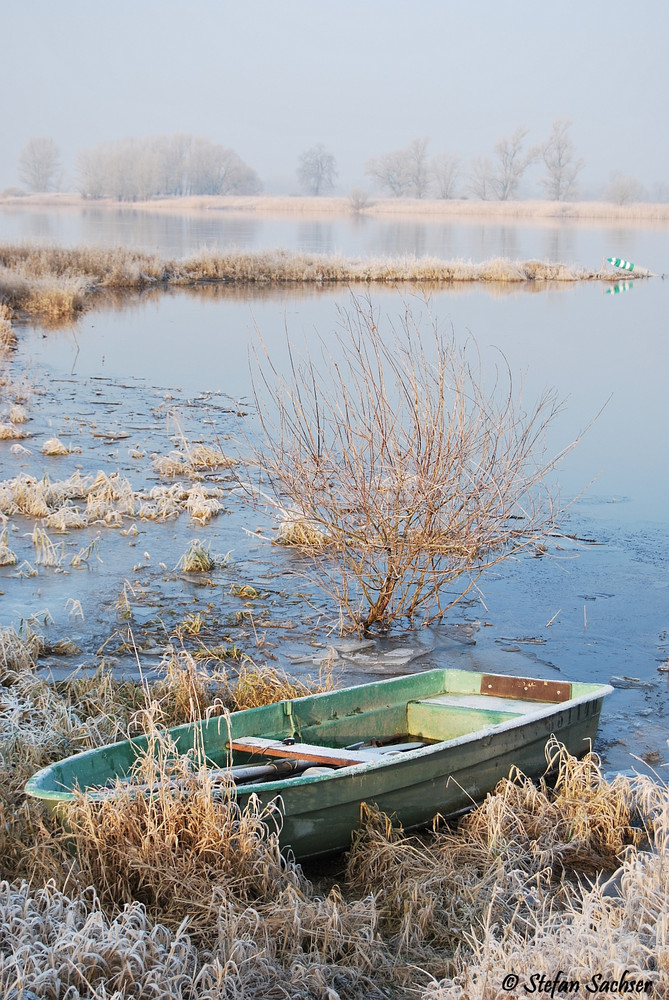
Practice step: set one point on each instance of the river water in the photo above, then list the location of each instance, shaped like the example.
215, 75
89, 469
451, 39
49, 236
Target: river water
596, 607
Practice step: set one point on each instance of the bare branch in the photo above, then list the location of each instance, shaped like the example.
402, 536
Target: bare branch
407, 475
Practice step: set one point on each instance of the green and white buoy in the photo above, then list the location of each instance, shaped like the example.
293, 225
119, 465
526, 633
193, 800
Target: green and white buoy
627, 265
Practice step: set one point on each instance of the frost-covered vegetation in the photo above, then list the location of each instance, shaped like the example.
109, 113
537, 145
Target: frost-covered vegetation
59, 282
185, 894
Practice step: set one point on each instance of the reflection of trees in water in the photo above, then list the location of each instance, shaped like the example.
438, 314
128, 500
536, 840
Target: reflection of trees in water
487, 242
41, 226
508, 242
355, 235
559, 244
622, 236
418, 239
315, 236
129, 300
178, 233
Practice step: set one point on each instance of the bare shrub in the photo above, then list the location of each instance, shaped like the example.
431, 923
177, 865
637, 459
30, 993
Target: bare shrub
358, 199
417, 475
54, 446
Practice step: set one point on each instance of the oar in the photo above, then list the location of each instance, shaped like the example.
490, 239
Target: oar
240, 774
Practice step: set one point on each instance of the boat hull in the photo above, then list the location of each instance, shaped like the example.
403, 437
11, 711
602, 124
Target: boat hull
473, 738
318, 816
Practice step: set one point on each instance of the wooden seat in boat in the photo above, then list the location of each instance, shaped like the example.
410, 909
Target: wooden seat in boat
304, 751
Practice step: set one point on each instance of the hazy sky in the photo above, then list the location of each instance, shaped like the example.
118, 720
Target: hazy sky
271, 77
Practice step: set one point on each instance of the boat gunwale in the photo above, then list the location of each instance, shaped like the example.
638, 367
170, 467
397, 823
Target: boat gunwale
392, 760
543, 710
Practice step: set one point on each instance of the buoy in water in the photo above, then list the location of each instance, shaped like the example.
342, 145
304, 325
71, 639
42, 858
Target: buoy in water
627, 265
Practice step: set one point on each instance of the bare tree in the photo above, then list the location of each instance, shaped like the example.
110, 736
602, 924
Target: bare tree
39, 164
358, 199
391, 172
170, 153
562, 167
317, 170
397, 471
419, 166
93, 173
137, 169
482, 178
659, 191
214, 169
445, 170
624, 189
512, 163
403, 172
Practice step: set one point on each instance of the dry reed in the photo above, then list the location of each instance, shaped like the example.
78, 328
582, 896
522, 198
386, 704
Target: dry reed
105, 499
196, 558
7, 335
58, 282
54, 446
17, 414
593, 932
10, 432
7, 556
460, 904
441, 208
183, 893
192, 460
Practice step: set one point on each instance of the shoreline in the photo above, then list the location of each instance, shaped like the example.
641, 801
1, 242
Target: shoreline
638, 213
60, 282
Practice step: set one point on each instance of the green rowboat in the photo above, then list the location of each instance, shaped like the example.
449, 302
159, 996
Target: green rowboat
418, 745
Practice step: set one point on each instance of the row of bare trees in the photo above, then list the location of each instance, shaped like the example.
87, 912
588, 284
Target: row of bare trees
413, 172
136, 169
163, 165
181, 164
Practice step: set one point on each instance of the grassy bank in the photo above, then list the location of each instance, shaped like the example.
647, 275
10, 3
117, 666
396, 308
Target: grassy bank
58, 282
185, 894
375, 206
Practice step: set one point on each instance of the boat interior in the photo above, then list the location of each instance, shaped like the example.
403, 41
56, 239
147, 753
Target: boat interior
308, 732
342, 727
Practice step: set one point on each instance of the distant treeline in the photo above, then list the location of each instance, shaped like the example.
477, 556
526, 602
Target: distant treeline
177, 165
163, 166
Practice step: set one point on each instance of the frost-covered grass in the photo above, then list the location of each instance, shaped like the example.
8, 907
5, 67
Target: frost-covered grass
374, 204
59, 282
103, 499
184, 893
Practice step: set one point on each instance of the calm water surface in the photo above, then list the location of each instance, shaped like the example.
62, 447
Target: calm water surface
592, 610
566, 242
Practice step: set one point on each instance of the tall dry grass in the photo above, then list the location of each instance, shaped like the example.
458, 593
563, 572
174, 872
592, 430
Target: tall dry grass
103, 499
182, 893
267, 205
535, 880
164, 895
594, 932
53, 295
7, 335
59, 282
